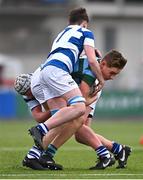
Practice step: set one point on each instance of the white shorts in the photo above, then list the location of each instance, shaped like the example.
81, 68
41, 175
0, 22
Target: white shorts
36, 87
55, 82
93, 105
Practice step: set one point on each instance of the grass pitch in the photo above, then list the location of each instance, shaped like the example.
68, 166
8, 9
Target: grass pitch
76, 159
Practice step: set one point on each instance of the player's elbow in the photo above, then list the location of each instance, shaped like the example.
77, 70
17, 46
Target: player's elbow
38, 118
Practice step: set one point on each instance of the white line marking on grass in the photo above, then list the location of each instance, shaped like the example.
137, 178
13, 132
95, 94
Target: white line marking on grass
68, 174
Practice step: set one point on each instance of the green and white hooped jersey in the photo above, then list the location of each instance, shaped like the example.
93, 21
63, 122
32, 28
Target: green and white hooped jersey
83, 72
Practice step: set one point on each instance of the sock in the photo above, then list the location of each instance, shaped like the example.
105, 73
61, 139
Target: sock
43, 128
102, 152
34, 152
51, 150
116, 148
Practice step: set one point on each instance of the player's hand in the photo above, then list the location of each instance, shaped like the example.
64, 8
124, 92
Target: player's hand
98, 87
95, 88
98, 53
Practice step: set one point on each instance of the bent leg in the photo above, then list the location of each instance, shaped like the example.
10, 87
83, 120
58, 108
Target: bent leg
58, 136
86, 135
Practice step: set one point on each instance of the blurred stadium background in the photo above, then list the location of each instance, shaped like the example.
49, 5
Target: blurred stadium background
28, 27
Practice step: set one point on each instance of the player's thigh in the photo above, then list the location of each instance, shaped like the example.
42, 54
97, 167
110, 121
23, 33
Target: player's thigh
72, 93
56, 103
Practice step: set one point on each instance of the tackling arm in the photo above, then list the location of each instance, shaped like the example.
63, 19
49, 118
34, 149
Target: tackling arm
40, 116
90, 52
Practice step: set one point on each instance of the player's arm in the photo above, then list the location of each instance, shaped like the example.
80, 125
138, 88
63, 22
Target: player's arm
86, 89
39, 115
90, 52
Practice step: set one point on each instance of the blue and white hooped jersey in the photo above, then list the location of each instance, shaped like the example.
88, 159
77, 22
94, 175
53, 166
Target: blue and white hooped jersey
31, 102
68, 46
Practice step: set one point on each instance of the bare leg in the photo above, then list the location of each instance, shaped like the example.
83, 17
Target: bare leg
106, 142
65, 114
58, 136
67, 132
86, 135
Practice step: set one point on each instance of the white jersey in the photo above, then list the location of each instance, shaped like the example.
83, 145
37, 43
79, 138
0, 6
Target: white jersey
31, 102
68, 46
93, 105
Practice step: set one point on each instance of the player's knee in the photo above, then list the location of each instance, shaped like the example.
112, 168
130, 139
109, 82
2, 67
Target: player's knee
78, 103
78, 122
80, 108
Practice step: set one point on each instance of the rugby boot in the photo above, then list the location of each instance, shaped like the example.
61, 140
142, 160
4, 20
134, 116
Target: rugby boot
33, 164
37, 136
103, 162
122, 156
113, 160
47, 161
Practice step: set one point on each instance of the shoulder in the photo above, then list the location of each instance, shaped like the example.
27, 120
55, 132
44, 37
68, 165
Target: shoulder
88, 33
87, 30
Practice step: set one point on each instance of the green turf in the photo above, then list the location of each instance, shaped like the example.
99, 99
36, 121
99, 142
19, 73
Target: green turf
76, 158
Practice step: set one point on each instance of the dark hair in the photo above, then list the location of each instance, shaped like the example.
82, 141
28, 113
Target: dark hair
115, 59
78, 15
